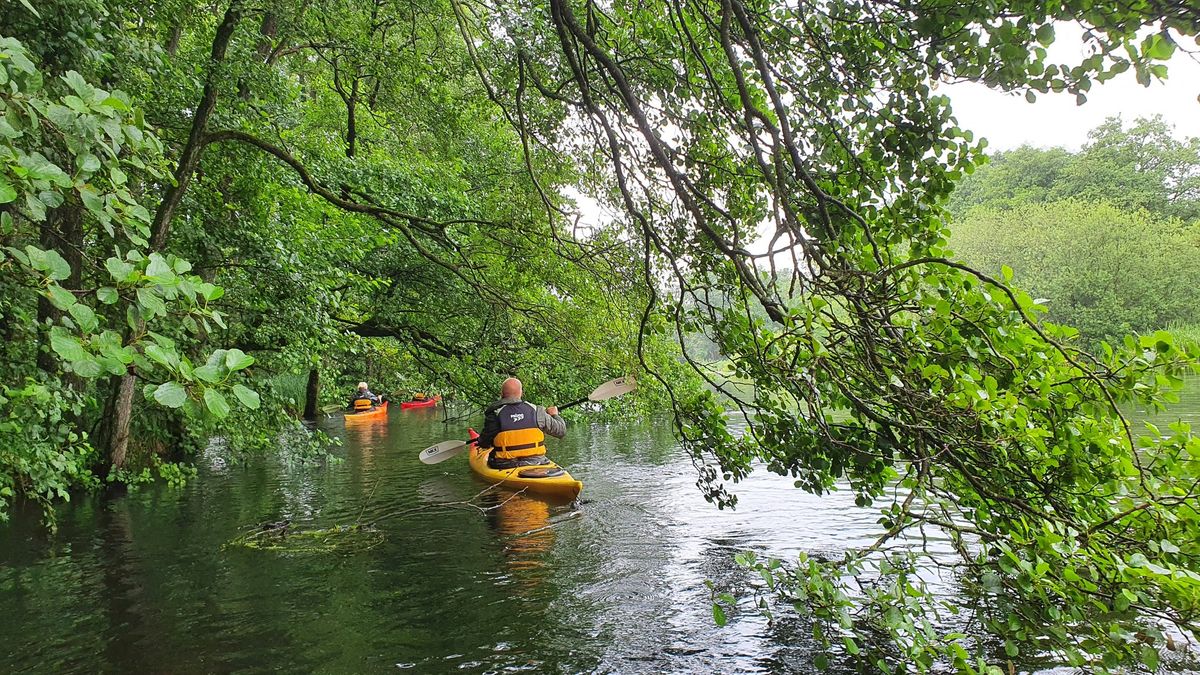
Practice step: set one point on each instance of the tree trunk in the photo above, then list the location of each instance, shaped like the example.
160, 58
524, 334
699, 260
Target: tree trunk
312, 393
267, 31
190, 156
122, 408
266, 37
351, 122
173, 40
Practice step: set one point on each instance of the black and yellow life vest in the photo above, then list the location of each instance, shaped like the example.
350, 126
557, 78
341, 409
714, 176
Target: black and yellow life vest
363, 404
519, 434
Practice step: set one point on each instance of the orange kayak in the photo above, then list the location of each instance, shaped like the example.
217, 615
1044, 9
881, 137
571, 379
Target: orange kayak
378, 412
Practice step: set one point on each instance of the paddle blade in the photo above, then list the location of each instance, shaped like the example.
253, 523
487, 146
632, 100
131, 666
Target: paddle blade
442, 451
614, 388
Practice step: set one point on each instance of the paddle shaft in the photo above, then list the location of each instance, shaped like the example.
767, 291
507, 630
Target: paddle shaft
572, 404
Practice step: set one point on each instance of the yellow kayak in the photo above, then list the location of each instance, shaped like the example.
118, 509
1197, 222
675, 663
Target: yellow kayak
545, 479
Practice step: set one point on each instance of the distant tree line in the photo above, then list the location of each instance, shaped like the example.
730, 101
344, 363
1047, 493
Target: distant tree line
1108, 236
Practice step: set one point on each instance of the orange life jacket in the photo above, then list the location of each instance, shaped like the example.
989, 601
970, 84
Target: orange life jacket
519, 434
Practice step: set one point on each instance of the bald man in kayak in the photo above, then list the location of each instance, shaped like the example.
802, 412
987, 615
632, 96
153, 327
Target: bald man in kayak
517, 430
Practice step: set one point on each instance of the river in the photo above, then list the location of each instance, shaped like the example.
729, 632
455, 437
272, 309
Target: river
146, 583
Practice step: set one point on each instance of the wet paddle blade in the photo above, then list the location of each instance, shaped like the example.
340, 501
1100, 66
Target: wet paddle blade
614, 388
442, 451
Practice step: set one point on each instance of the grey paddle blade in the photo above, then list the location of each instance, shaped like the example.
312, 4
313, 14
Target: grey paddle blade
613, 388
442, 451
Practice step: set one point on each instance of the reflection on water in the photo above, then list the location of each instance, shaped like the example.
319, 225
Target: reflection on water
522, 523
462, 582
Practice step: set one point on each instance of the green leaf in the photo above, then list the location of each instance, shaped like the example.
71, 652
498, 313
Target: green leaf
718, 615
159, 271
7, 192
1150, 657
161, 356
78, 84
209, 373
1045, 34
87, 368
170, 394
210, 292
60, 297
247, 396
236, 359
1159, 46
91, 199
107, 295
58, 269
217, 358
67, 346
216, 403
88, 163
112, 365
149, 301
84, 316
120, 270
30, 8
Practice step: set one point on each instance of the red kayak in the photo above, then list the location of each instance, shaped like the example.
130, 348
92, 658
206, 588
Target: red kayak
427, 403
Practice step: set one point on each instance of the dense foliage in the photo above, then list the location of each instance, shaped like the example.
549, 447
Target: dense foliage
1106, 272
350, 170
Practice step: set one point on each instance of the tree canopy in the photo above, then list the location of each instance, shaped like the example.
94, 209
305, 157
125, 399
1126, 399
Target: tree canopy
1142, 166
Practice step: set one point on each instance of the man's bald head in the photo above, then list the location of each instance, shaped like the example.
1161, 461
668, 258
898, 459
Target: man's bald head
511, 388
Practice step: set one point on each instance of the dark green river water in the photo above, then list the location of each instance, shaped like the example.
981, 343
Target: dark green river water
144, 583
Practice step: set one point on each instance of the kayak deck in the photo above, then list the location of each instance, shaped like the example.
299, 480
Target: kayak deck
545, 479
379, 412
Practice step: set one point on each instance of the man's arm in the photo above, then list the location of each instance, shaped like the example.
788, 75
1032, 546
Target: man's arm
491, 427
551, 424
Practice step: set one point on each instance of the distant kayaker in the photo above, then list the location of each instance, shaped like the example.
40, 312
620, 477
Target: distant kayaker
364, 398
517, 430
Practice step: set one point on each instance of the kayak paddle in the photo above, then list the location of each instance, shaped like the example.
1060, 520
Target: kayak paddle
611, 389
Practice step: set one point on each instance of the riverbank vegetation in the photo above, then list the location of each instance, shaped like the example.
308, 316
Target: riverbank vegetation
204, 201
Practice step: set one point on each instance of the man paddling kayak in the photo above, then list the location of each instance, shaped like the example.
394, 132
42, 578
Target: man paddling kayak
517, 430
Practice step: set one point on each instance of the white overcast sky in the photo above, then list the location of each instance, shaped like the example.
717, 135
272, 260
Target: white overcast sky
1008, 120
